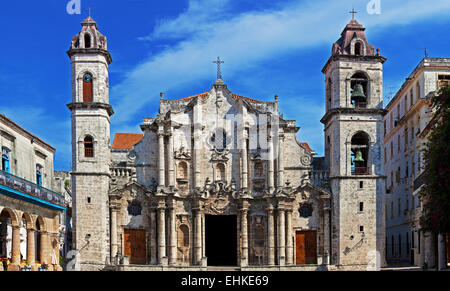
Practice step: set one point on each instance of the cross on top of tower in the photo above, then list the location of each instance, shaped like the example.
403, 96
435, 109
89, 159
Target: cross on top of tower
353, 12
219, 72
89, 10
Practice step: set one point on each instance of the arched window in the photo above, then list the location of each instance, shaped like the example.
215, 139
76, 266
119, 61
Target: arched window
39, 171
182, 171
360, 154
87, 40
5, 160
88, 88
360, 88
220, 172
358, 48
88, 147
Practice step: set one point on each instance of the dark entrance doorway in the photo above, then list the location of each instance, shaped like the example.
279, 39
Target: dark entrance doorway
221, 240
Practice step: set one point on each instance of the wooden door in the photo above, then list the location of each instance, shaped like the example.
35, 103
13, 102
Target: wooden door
306, 247
135, 246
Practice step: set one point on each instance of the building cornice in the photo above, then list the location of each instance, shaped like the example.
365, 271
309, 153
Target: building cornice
369, 111
91, 51
96, 105
352, 58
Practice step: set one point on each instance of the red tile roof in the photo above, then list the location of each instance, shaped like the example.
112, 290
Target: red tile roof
126, 140
306, 145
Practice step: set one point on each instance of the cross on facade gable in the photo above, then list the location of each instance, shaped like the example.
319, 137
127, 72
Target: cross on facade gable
219, 72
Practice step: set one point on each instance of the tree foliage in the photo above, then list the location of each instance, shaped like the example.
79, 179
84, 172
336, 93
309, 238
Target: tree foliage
435, 193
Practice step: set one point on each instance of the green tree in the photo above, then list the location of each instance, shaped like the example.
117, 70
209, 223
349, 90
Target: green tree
436, 190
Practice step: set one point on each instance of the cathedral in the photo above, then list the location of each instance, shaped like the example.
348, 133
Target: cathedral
218, 179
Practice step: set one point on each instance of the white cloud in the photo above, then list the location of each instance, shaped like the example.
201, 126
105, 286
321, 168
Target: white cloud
245, 39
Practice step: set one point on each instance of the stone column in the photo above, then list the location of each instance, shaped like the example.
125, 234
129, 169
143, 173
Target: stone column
244, 241
171, 160
153, 239
442, 260
161, 232
281, 238
114, 244
172, 235
270, 237
198, 237
161, 160
244, 161
31, 250
289, 239
326, 235
270, 170
280, 163
15, 250
43, 251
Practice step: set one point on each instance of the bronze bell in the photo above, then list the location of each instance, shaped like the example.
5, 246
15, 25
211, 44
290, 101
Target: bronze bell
359, 157
358, 92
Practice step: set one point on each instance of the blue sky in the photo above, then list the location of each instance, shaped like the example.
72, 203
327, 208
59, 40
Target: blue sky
269, 47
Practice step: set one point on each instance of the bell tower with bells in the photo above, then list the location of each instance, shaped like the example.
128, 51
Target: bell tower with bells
354, 150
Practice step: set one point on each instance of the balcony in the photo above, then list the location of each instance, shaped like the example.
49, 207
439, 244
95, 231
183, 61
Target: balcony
16, 187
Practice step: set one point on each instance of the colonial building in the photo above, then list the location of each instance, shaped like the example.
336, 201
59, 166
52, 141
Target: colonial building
30, 213
406, 128
219, 179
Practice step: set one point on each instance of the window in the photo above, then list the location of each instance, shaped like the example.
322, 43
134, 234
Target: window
6, 160
392, 210
361, 206
39, 171
385, 155
399, 141
399, 207
444, 80
88, 89
406, 139
360, 154
259, 237
358, 49
88, 147
306, 210
219, 140
392, 150
183, 236
417, 93
87, 40
328, 92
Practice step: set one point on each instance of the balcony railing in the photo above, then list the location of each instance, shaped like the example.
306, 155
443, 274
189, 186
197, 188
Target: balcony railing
16, 183
360, 171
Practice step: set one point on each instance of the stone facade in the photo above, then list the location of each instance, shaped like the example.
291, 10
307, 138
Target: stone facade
154, 202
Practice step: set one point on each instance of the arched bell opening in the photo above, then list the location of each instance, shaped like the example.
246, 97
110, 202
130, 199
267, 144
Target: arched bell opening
360, 154
360, 88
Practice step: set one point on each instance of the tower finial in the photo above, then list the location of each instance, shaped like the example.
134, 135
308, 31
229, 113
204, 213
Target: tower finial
353, 12
219, 72
89, 10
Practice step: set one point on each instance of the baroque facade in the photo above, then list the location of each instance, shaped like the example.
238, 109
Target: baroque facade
219, 179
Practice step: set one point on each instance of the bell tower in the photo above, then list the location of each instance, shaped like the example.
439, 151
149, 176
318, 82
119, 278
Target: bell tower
353, 149
91, 114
